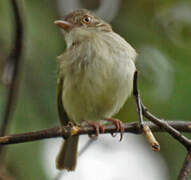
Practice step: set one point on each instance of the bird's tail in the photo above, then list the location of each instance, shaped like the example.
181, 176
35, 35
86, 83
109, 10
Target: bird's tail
67, 156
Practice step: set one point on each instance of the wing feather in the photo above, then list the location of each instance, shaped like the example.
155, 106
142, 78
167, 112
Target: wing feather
61, 111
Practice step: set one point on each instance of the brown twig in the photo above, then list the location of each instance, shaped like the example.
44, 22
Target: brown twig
10, 74
163, 124
65, 132
143, 127
151, 138
137, 98
186, 168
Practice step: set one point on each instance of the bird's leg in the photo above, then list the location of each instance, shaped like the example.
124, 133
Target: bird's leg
119, 126
97, 126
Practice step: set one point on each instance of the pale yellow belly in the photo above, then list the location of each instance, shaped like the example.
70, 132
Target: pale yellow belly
95, 98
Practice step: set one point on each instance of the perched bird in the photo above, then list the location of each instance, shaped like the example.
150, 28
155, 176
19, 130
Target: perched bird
95, 77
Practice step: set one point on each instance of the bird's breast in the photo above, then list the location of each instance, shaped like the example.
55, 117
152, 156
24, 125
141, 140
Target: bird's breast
97, 82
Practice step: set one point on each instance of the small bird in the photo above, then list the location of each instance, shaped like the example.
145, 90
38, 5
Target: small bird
95, 77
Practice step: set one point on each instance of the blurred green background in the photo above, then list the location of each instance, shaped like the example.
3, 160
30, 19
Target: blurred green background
160, 31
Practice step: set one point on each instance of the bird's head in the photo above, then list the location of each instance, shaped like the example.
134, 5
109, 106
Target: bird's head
81, 24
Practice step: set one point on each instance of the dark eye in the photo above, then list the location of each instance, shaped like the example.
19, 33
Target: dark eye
86, 19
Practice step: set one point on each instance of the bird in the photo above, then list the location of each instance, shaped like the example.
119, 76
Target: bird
95, 77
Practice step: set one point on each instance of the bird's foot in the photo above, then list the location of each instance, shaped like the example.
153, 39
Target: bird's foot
98, 128
119, 126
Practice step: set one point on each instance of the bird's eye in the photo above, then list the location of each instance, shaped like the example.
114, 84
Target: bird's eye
86, 19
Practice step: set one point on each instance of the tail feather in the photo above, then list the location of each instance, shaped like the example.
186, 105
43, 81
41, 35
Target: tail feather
67, 156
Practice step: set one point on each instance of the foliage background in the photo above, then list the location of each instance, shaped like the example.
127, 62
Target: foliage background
159, 30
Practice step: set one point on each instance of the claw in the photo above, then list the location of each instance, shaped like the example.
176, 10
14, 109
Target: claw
119, 126
98, 128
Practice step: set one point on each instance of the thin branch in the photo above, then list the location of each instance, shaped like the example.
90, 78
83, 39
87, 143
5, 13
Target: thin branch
151, 138
138, 99
10, 74
65, 132
163, 124
143, 127
186, 168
